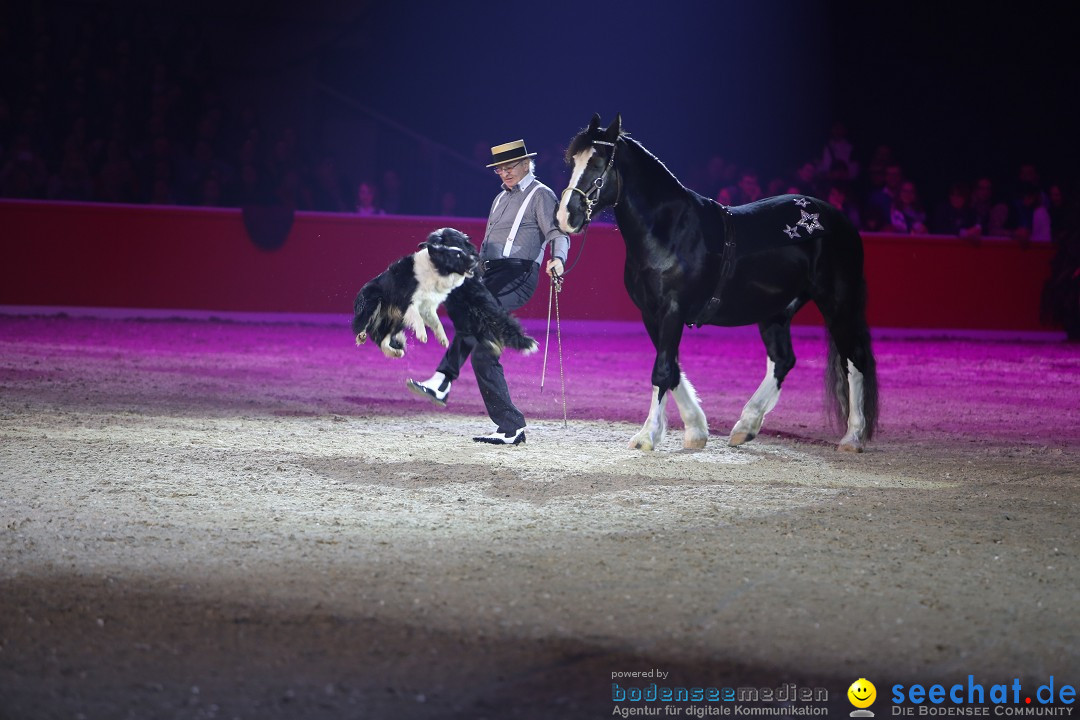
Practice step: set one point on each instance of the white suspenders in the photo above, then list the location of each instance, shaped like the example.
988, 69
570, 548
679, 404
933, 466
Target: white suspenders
509, 246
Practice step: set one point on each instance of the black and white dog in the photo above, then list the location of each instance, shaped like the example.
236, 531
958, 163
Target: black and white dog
408, 294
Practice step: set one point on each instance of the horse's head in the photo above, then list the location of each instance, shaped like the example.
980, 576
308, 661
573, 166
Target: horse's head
593, 184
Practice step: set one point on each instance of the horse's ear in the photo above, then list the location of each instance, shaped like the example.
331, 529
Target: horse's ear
594, 124
615, 128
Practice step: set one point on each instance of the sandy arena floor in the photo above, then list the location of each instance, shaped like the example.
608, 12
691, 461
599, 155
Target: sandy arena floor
222, 519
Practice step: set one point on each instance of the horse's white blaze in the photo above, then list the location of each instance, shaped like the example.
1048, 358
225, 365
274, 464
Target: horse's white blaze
696, 431
762, 401
856, 419
655, 426
581, 160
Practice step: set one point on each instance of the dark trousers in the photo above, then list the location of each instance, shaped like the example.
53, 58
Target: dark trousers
512, 283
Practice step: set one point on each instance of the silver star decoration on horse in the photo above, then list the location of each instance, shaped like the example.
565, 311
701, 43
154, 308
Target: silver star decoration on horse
802, 202
792, 232
810, 221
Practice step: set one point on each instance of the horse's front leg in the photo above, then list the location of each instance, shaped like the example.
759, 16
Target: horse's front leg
781, 358
665, 377
696, 427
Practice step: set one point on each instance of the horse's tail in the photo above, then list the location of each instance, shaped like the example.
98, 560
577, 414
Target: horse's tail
837, 389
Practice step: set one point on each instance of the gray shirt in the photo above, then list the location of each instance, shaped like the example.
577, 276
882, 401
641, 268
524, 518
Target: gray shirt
537, 229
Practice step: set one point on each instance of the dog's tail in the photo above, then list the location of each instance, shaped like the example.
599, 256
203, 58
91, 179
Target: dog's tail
365, 307
475, 311
508, 332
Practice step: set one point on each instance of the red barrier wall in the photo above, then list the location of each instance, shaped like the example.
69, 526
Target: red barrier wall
76, 254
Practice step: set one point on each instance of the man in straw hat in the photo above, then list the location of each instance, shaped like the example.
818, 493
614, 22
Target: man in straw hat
520, 226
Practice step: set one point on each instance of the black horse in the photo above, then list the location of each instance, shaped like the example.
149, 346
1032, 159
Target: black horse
691, 261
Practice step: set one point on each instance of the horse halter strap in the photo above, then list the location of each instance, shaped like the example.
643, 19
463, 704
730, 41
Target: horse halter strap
593, 195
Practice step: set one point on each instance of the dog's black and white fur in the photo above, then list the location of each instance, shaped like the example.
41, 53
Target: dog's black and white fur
408, 294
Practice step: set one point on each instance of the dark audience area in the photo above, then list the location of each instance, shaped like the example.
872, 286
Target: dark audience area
116, 103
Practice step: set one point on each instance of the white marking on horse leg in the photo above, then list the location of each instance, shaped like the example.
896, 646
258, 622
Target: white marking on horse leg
762, 401
696, 432
655, 426
562, 215
852, 440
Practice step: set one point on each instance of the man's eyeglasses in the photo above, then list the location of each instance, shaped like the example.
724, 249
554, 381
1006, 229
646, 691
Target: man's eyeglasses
507, 169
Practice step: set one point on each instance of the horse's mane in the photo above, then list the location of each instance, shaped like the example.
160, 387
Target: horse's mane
585, 139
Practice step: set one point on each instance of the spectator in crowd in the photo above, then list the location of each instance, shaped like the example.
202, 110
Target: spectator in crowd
747, 190
73, 182
806, 179
955, 216
1056, 210
885, 198
907, 215
839, 174
392, 193
1028, 176
365, 200
211, 195
990, 215
328, 192
839, 147
837, 195
708, 179
1032, 218
25, 174
878, 211
876, 169
117, 181
251, 188
116, 105
779, 186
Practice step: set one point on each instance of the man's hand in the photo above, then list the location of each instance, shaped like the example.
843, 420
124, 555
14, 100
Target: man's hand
554, 267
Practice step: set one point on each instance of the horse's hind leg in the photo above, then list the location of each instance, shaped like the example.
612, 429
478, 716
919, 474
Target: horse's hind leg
776, 332
852, 376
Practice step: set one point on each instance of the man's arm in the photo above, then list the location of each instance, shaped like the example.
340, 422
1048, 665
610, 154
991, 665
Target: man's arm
556, 238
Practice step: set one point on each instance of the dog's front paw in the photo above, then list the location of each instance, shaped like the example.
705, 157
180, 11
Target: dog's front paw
361, 339
530, 349
421, 334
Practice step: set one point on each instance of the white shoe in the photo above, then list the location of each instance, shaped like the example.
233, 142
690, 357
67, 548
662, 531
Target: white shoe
497, 438
435, 388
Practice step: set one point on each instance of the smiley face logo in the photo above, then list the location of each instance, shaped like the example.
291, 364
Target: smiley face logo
862, 693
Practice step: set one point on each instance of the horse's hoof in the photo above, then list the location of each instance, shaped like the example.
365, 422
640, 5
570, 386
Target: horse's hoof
640, 444
738, 438
694, 442
851, 446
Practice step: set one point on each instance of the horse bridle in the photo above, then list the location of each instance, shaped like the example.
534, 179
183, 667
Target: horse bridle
593, 195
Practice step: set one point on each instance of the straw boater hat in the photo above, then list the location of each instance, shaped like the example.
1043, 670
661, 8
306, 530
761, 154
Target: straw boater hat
509, 152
